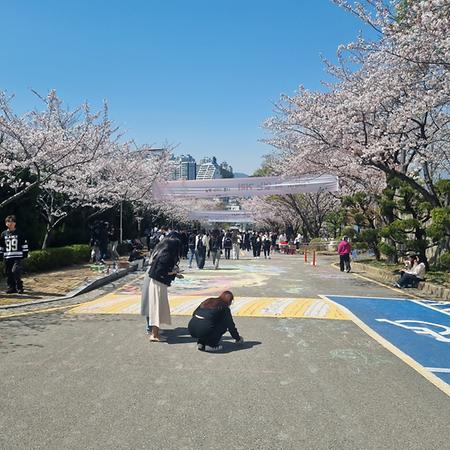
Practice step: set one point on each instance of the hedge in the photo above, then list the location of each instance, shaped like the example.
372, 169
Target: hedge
55, 258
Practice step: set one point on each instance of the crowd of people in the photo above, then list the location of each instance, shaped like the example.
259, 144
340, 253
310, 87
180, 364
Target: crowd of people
200, 245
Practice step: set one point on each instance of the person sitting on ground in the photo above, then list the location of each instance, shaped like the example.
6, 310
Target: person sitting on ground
413, 276
137, 250
211, 320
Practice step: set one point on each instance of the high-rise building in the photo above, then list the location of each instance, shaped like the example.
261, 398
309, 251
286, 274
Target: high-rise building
208, 169
226, 170
183, 167
188, 168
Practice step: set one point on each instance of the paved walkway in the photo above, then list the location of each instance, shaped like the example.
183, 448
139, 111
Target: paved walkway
77, 378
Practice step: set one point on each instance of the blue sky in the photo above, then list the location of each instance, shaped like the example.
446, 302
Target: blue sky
200, 74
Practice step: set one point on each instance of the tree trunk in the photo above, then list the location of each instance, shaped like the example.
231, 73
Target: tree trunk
389, 216
46, 236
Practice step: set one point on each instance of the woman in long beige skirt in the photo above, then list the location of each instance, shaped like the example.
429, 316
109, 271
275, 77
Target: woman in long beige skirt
163, 270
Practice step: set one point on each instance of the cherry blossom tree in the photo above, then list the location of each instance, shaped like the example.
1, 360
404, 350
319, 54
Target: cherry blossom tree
126, 173
387, 113
54, 144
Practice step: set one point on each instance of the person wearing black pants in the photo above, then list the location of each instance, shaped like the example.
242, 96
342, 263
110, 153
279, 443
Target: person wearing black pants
13, 248
211, 320
266, 243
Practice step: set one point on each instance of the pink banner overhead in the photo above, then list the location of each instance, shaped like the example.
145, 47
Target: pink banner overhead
245, 187
221, 216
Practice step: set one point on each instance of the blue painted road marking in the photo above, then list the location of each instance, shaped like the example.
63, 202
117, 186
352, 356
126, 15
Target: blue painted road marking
420, 329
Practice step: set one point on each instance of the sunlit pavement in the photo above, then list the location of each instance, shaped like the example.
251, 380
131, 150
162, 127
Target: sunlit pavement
307, 377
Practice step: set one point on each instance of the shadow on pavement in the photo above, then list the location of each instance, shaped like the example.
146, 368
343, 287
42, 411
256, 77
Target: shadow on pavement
179, 335
229, 347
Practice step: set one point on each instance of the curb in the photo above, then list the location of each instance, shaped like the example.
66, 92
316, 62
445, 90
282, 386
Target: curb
425, 287
79, 290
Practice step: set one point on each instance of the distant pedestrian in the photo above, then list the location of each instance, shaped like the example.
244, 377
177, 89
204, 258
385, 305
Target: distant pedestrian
215, 245
191, 247
227, 245
13, 248
211, 320
273, 239
247, 245
266, 244
236, 240
163, 270
113, 237
201, 248
344, 250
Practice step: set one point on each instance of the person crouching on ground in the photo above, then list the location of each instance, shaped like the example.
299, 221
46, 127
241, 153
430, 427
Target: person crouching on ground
344, 249
413, 276
211, 320
163, 270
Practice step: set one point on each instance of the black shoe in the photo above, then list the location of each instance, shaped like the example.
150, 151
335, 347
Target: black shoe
20, 291
11, 291
215, 349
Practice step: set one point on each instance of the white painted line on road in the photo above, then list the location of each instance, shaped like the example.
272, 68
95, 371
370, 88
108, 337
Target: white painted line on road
238, 304
318, 309
445, 311
444, 387
438, 369
277, 308
186, 307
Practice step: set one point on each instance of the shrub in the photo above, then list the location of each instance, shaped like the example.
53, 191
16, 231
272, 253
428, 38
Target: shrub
444, 261
387, 249
54, 258
360, 245
350, 232
317, 241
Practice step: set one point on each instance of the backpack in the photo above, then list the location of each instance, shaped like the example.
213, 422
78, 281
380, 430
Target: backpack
227, 242
215, 244
200, 245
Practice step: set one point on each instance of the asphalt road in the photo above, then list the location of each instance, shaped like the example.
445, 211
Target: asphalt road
95, 382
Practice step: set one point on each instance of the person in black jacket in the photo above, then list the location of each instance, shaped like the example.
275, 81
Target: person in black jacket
211, 320
13, 248
163, 270
215, 245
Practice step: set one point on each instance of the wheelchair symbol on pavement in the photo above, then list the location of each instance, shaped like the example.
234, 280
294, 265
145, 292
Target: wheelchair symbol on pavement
434, 330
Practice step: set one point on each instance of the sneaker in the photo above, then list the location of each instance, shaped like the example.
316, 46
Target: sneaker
20, 291
213, 349
348, 270
397, 285
11, 291
201, 347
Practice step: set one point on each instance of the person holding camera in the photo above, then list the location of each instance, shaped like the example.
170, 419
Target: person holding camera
163, 270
